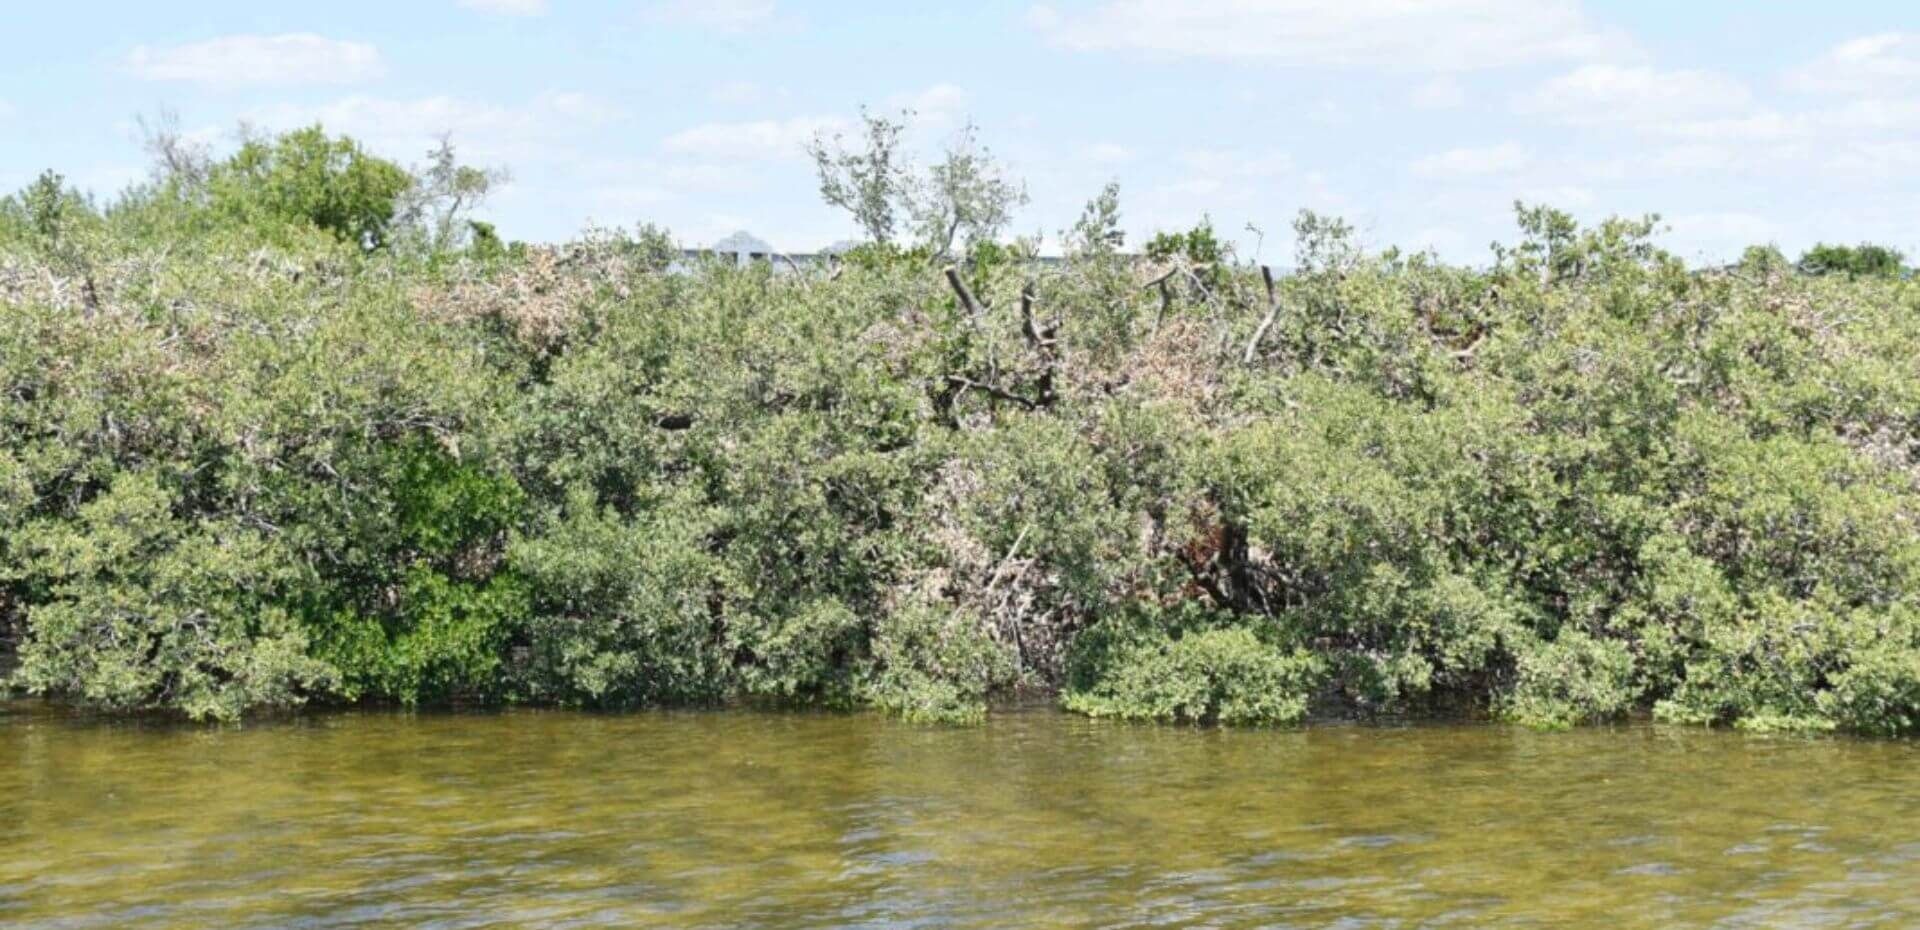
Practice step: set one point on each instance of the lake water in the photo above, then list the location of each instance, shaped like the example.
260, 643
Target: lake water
1037, 819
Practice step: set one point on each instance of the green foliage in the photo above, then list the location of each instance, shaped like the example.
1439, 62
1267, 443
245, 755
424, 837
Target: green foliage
621, 606
1189, 666
427, 616
935, 665
957, 204
1573, 679
292, 429
137, 609
437, 199
1199, 248
1199, 245
1863, 260
305, 176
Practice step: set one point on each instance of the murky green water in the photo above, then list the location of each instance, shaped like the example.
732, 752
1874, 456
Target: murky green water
1035, 820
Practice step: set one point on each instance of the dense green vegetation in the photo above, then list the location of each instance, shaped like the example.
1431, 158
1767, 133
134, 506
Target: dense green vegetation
287, 427
1865, 259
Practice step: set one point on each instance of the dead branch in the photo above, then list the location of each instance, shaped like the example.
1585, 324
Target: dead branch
968, 384
1266, 323
966, 295
1043, 340
1161, 278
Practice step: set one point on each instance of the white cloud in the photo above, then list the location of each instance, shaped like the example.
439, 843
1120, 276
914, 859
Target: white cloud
585, 108
1831, 126
508, 7
630, 196
1691, 158
1886, 62
405, 128
1441, 93
938, 107
1328, 112
742, 93
1485, 161
724, 15
1431, 35
1598, 94
1565, 196
1237, 163
1722, 234
292, 58
1109, 153
941, 106
1758, 125
1878, 159
6, 109
630, 185
1227, 173
1443, 240
756, 140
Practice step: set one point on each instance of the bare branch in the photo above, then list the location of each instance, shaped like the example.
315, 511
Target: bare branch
960, 287
968, 384
1273, 313
1043, 340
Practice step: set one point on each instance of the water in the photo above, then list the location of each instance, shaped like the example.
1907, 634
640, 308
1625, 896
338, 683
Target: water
745, 820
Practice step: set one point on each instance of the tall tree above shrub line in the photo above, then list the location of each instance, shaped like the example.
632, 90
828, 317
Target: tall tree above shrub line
308, 176
964, 199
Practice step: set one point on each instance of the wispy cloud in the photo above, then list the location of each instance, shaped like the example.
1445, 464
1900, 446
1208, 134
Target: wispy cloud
941, 106
1441, 93
724, 15
739, 93
508, 7
1435, 35
1471, 162
754, 140
1869, 64
1218, 171
486, 131
1613, 94
290, 58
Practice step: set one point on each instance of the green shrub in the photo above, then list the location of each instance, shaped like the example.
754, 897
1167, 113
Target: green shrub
620, 612
1574, 679
1189, 667
935, 665
280, 431
1863, 260
139, 609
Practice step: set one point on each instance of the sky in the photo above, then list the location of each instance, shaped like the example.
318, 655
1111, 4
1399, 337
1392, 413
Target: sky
1419, 121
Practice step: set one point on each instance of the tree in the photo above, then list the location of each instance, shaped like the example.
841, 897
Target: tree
60, 225
962, 200
966, 198
869, 183
177, 159
443, 193
307, 176
1098, 232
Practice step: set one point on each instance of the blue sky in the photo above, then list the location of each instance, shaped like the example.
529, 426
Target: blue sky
1418, 120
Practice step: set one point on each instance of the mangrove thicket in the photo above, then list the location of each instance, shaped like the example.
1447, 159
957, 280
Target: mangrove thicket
290, 427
